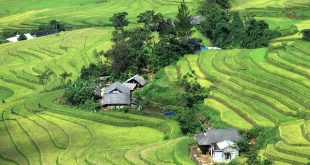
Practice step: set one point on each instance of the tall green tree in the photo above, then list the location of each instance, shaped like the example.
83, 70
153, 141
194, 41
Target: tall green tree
119, 20
121, 58
150, 19
237, 31
183, 26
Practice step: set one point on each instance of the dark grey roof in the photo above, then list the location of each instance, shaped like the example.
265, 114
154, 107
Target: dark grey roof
117, 86
217, 135
137, 78
196, 20
131, 86
45, 32
116, 99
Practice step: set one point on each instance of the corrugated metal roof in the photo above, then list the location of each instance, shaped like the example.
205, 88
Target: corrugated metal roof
217, 135
117, 86
224, 144
131, 86
116, 99
139, 79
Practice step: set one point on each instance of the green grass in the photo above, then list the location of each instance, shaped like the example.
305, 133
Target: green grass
266, 87
79, 13
5, 93
293, 139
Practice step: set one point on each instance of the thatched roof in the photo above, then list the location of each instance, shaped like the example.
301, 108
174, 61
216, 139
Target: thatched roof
117, 86
116, 99
211, 136
137, 79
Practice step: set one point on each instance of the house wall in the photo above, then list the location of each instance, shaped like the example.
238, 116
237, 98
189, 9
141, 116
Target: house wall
219, 156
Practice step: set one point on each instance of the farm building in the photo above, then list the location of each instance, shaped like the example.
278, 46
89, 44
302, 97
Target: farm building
116, 95
196, 20
138, 80
219, 144
15, 38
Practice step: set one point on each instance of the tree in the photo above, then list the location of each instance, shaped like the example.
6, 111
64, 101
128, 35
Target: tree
149, 19
237, 30
45, 76
183, 26
188, 121
22, 37
255, 34
138, 40
79, 92
306, 34
119, 20
121, 58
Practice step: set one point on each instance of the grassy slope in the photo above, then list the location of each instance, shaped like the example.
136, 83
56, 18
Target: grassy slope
50, 136
29, 14
241, 96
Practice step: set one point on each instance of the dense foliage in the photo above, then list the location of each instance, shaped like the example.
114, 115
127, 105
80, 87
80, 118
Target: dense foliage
52, 25
227, 29
22, 37
192, 96
136, 50
81, 92
256, 139
306, 34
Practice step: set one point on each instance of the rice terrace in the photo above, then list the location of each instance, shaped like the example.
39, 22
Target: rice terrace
155, 82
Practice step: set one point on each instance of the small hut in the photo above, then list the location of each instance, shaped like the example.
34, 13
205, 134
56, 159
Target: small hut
219, 143
116, 95
138, 80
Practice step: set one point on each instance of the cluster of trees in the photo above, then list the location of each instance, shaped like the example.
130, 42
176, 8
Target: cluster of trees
137, 49
81, 92
306, 34
192, 96
227, 29
52, 25
256, 139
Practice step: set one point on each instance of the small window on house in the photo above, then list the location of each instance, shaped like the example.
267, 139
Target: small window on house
227, 156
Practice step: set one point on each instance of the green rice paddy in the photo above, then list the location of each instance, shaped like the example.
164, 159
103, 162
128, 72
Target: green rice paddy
267, 87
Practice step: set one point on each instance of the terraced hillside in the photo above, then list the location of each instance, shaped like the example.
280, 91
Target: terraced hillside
29, 14
259, 87
36, 129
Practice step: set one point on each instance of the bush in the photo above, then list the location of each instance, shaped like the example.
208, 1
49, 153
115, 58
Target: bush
263, 136
79, 92
306, 34
3, 101
188, 121
22, 37
244, 145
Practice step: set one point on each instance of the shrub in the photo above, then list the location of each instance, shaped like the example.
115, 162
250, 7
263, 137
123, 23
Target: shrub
3, 101
306, 34
22, 37
188, 121
244, 145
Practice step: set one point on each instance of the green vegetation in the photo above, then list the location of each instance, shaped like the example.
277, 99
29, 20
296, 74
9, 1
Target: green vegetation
264, 92
5, 93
